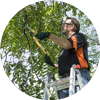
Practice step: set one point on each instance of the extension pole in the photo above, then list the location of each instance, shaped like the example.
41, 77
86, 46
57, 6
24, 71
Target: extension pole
36, 40
39, 45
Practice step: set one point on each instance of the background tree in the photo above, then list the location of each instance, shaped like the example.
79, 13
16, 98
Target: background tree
23, 61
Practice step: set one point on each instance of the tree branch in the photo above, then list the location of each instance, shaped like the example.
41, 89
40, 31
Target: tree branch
94, 40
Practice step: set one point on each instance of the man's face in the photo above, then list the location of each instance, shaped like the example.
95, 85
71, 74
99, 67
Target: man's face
66, 27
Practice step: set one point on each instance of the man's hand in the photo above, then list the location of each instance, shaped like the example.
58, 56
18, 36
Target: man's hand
48, 60
43, 35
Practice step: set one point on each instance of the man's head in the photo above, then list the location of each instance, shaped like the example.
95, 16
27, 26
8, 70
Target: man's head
70, 25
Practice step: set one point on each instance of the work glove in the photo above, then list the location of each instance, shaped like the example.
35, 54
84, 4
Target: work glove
48, 60
43, 35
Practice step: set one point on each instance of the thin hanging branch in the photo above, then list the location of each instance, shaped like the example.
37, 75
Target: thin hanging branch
32, 67
6, 54
65, 10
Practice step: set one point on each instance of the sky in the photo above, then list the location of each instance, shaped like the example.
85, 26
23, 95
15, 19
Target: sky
1, 52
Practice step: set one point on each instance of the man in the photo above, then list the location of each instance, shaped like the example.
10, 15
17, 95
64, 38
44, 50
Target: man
74, 51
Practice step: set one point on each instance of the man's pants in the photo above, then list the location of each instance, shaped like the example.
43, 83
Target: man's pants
85, 77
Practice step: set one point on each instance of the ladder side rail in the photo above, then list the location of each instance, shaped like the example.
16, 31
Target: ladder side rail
46, 90
56, 92
72, 82
79, 77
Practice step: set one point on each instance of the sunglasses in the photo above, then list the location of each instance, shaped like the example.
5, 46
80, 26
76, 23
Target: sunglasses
70, 24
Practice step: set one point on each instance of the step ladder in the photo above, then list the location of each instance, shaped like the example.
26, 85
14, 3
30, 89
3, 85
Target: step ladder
68, 82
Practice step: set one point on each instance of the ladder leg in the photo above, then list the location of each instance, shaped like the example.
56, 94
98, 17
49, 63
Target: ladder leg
72, 82
53, 78
46, 90
79, 78
56, 93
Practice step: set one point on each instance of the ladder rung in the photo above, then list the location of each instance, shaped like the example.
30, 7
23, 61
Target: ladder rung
65, 86
59, 82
